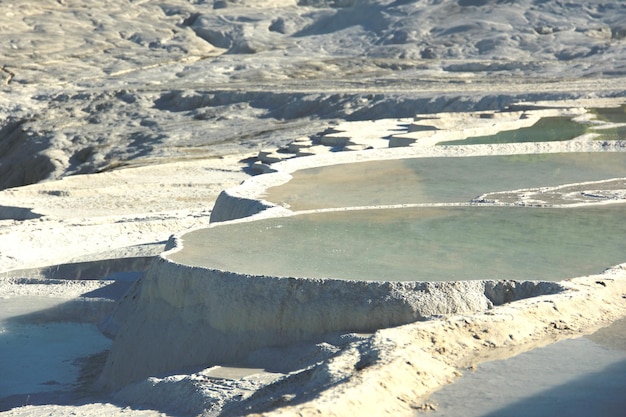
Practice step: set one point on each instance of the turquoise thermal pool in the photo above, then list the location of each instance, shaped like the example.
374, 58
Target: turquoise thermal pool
418, 244
439, 180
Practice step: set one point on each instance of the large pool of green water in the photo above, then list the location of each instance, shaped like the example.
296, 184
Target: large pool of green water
439, 180
418, 244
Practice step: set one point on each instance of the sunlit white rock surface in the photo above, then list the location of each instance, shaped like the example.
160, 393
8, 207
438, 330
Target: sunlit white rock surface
183, 91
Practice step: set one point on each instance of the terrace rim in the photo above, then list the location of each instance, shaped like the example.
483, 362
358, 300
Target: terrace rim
228, 315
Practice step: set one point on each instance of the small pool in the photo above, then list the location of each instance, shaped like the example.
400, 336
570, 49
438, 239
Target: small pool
41, 356
610, 114
439, 180
615, 115
546, 129
557, 128
418, 244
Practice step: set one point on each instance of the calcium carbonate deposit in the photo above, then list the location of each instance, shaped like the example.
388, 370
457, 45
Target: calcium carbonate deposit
129, 128
223, 299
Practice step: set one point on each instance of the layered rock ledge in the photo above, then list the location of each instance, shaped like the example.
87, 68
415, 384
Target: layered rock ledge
180, 316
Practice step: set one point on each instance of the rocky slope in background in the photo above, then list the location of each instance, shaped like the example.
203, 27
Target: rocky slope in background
91, 86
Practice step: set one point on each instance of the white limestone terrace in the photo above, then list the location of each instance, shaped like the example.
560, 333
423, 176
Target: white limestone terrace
201, 316
122, 120
416, 137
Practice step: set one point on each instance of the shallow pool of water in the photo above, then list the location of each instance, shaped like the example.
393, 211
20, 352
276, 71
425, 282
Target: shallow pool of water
38, 356
418, 244
613, 133
611, 115
576, 378
439, 180
547, 129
